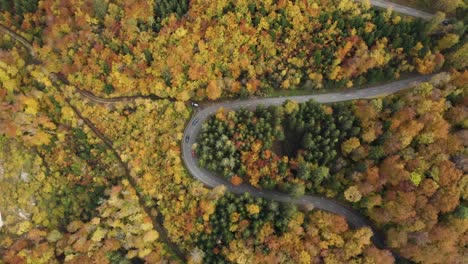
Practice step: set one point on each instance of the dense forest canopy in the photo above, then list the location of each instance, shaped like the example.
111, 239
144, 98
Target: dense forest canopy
400, 159
234, 48
92, 119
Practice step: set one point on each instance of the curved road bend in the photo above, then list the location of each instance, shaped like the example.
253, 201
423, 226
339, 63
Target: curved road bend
210, 179
18, 38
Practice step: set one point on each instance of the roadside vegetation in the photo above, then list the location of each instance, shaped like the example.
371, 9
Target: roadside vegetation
399, 159
227, 49
252, 230
432, 6
86, 182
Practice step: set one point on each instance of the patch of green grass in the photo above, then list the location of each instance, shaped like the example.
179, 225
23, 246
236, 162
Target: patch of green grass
417, 4
302, 91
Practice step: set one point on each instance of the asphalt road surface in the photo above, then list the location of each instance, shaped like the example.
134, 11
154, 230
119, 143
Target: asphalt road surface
354, 218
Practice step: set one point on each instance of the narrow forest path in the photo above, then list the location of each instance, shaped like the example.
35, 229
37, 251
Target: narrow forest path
57, 81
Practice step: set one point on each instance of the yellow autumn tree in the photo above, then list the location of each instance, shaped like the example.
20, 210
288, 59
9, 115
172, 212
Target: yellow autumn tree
352, 194
253, 209
350, 144
213, 90
291, 106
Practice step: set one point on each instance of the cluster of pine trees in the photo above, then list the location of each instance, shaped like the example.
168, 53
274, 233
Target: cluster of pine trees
400, 159
296, 141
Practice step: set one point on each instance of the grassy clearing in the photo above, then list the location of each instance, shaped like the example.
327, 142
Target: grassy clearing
416, 4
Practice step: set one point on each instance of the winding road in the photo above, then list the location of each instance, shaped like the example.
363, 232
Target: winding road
355, 219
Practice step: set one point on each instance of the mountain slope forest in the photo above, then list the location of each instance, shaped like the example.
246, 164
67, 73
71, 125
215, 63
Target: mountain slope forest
95, 96
400, 159
225, 48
